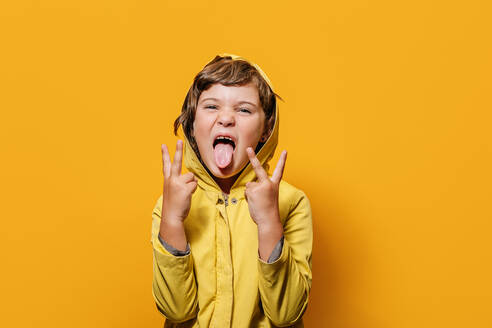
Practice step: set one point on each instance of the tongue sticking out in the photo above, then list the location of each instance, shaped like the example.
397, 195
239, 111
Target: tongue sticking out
223, 154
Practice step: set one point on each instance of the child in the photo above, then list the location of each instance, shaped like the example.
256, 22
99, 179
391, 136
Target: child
231, 244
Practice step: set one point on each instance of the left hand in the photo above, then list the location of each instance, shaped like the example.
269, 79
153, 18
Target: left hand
262, 195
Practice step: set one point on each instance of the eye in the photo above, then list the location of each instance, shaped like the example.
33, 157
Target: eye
211, 106
244, 110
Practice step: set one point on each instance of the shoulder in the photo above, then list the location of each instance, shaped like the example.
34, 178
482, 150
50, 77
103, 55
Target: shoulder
290, 193
291, 197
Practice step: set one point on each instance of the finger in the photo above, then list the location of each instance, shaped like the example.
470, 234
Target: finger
166, 161
279, 169
188, 177
259, 170
178, 156
192, 186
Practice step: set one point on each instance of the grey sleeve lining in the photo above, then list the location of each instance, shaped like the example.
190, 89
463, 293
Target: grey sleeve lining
172, 250
277, 251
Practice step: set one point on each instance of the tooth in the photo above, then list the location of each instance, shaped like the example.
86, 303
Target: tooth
224, 138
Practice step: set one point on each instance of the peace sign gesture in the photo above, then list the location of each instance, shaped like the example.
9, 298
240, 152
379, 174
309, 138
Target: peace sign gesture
262, 194
178, 188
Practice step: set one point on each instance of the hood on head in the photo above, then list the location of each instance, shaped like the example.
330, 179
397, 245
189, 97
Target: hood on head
205, 180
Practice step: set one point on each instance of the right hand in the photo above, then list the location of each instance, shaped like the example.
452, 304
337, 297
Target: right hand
176, 199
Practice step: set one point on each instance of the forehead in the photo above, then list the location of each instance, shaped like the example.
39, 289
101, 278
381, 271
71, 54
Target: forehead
231, 94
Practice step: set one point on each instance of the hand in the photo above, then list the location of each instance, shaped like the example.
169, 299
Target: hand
262, 195
176, 200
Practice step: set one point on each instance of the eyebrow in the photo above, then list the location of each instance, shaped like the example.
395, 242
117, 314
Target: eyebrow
241, 102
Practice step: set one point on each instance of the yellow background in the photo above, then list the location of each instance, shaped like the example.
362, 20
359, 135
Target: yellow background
386, 120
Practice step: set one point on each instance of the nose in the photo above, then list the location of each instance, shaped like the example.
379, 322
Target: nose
226, 118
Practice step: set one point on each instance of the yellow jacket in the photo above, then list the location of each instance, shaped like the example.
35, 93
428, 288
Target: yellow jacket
223, 282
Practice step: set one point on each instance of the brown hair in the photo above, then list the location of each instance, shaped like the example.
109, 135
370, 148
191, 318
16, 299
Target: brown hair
228, 72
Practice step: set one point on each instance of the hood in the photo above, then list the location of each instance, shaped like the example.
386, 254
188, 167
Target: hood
205, 181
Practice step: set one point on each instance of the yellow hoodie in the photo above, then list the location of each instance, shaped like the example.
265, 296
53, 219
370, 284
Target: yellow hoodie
223, 282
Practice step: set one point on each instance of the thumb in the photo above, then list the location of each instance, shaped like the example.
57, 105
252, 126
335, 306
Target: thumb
251, 184
192, 186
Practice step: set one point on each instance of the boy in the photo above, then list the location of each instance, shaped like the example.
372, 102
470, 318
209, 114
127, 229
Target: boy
229, 250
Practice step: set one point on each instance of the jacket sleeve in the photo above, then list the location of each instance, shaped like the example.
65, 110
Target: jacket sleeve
172, 250
285, 284
173, 283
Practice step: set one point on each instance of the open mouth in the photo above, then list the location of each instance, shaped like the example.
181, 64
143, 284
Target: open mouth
225, 140
223, 150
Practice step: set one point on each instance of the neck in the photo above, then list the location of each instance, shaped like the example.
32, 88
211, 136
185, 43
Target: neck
226, 184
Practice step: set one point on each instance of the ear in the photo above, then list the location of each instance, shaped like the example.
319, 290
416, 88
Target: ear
268, 131
264, 136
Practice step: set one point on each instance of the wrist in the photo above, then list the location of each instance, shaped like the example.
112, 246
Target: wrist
172, 231
270, 227
272, 222
173, 221
268, 236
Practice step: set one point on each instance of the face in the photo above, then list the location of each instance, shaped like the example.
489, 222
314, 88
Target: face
228, 119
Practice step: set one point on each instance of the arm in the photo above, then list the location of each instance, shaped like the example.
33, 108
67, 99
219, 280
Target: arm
277, 251
285, 283
172, 250
173, 284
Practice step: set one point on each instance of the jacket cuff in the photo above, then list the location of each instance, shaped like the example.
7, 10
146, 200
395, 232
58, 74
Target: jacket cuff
172, 250
269, 272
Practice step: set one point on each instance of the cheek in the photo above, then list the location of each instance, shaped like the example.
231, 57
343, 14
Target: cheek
201, 126
252, 131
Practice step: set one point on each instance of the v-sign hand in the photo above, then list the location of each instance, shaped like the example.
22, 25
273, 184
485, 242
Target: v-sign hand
262, 195
178, 188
